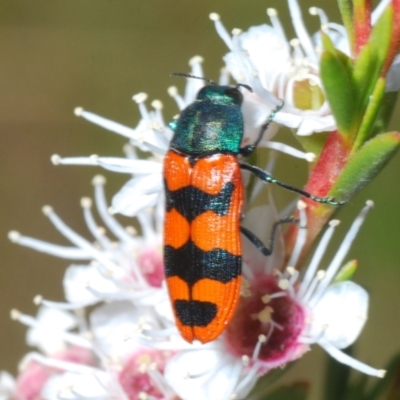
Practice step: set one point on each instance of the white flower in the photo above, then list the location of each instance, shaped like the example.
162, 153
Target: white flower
289, 314
278, 68
131, 268
126, 369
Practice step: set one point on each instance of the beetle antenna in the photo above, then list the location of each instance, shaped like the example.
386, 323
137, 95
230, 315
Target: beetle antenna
192, 76
249, 88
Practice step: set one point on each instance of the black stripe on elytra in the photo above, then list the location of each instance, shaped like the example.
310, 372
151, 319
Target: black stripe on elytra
190, 201
194, 312
193, 264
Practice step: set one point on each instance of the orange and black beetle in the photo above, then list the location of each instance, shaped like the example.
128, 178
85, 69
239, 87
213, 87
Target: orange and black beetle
204, 198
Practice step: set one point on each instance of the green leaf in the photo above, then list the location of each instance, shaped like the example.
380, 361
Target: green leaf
346, 272
296, 391
374, 104
346, 9
369, 63
337, 78
364, 165
385, 113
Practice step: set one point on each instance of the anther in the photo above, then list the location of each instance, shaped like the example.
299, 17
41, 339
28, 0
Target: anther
370, 203
214, 17
321, 274
294, 42
266, 298
196, 60
15, 314
291, 270
313, 10
310, 157
157, 104
262, 338
78, 111
14, 236
236, 31
37, 300
131, 230
47, 210
101, 230
139, 97
272, 12
283, 284
264, 315
99, 180
301, 205
86, 202
172, 91
111, 211
55, 159
334, 223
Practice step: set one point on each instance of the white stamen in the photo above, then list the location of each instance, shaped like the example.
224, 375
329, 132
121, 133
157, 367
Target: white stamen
96, 231
222, 32
322, 16
350, 361
342, 252
319, 252
76, 239
301, 235
62, 365
224, 77
71, 253
115, 227
284, 148
301, 30
256, 352
109, 125
276, 23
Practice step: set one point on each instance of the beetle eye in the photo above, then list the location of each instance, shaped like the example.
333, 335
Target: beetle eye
235, 94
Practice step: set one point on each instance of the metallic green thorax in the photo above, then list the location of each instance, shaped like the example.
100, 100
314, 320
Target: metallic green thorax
211, 124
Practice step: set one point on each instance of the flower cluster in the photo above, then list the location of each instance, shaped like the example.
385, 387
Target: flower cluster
115, 337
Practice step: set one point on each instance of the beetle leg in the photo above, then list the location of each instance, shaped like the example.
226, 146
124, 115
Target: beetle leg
267, 251
266, 177
249, 149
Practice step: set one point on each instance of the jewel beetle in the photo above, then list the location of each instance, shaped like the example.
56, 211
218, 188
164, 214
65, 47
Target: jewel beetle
204, 200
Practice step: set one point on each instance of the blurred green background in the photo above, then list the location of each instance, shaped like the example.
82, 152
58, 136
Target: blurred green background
56, 55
